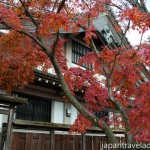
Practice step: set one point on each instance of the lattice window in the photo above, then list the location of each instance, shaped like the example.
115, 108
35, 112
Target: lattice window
38, 109
78, 51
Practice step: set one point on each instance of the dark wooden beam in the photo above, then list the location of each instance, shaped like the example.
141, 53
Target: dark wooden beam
4, 111
33, 125
11, 100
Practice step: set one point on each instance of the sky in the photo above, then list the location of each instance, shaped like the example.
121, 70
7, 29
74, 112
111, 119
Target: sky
133, 35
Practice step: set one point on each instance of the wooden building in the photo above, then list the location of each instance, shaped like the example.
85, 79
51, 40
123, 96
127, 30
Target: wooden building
33, 121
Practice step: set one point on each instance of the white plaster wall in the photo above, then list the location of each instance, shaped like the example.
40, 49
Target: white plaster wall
57, 112
69, 53
74, 114
3, 119
1, 122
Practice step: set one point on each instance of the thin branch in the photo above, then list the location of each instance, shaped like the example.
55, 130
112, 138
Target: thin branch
29, 14
61, 5
55, 3
122, 40
121, 110
55, 43
120, 85
145, 72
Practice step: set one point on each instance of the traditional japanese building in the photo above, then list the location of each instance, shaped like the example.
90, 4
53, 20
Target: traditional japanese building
45, 97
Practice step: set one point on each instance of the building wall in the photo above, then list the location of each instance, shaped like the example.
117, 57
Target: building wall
63, 113
59, 109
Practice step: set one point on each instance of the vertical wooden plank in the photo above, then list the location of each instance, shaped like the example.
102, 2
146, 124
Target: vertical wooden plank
83, 141
19, 143
29, 140
68, 145
47, 142
41, 141
35, 138
60, 140
89, 142
52, 133
96, 143
78, 142
9, 127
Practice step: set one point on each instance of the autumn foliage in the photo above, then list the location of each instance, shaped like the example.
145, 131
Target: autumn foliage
34, 39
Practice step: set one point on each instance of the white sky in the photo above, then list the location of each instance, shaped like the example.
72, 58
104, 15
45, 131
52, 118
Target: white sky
134, 37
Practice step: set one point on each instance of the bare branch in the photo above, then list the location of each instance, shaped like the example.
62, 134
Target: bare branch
29, 14
122, 40
122, 80
121, 110
61, 6
55, 3
79, 107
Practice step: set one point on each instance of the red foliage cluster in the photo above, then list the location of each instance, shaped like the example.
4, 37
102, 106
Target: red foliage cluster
52, 22
16, 57
140, 20
139, 114
80, 125
8, 16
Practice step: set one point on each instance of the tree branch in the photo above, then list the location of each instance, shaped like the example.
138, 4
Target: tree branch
96, 121
122, 40
118, 88
61, 6
112, 98
121, 110
29, 14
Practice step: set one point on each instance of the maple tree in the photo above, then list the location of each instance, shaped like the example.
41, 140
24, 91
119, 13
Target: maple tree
126, 69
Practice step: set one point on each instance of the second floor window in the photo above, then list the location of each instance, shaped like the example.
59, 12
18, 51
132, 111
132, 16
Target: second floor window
78, 51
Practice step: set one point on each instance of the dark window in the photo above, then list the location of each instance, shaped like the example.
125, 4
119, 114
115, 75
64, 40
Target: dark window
38, 109
102, 114
79, 51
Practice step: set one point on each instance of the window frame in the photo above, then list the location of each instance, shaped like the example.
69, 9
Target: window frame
78, 51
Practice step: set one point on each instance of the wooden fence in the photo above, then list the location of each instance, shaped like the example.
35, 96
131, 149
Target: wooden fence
38, 141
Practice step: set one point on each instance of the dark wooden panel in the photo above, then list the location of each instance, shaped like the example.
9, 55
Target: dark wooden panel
19, 140
69, 142
78, 142
89, 142
34, 139
47, 142
38, 141
96, 143
59, 142
29, 140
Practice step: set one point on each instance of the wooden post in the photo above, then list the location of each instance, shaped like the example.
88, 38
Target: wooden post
3, 136
52, 132
83, 141
9, 127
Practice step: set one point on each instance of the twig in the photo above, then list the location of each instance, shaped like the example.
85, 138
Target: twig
113, 66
